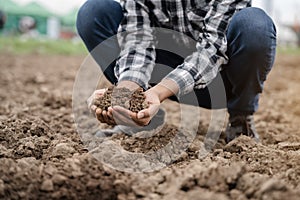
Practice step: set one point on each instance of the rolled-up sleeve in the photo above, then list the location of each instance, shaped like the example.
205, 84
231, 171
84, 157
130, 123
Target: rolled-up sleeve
200, 68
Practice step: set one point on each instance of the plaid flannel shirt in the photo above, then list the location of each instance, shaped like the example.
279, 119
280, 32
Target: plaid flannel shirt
206, 21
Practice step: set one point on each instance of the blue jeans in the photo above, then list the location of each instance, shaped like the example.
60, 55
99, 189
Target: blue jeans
251, 51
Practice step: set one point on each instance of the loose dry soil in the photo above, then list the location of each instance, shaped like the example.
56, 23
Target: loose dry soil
42, 156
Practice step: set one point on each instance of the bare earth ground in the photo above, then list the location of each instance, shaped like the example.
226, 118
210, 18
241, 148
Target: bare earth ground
42, 156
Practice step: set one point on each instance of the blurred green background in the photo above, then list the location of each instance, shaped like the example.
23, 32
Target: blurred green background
17, 45
48, 23
33, 27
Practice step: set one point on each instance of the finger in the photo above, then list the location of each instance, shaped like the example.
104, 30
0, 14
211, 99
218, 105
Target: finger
109, 112
110, 116
140, 121
123, 121
134, 115
93, 109
149, 112
120, 118
108, 119
99, 92
123, 114
99, 116
105, 117
143, 114
96, 94
143, 122
112, 122
89, 101
143, 117
122, 111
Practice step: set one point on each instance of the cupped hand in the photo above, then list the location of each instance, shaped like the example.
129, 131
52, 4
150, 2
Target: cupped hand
126, 117
122, 116
102, 115
144, 117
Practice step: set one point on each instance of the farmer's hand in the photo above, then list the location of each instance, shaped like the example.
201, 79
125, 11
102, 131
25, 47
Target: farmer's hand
154, 97
143, 117
123, 116
96, 95
118, 115
102, 115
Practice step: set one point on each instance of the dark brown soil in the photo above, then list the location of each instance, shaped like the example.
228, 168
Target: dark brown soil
43, 157
114, 96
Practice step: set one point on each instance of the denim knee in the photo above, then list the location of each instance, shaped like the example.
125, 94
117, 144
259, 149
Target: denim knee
253, 28
96, 16
251, 39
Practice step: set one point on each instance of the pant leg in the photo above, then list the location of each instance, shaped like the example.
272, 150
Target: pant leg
97, 23
251, 50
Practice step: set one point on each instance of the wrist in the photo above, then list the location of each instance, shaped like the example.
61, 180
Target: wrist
165, 89
128, 84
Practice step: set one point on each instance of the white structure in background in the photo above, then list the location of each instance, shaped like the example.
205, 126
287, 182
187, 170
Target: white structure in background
285, 35
268, 7
53, 28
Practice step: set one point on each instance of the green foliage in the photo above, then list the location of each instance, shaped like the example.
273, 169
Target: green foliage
289, 50
19, 45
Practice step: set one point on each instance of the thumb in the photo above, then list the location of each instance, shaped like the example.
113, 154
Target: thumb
143, 114
140, 115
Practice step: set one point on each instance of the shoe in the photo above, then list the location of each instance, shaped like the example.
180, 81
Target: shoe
157, 121
241, 125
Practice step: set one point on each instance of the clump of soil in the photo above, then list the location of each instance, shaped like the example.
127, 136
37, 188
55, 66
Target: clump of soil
42, 156
131, 100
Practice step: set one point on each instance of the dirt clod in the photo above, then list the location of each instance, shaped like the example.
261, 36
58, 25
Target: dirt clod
114, 96
2, 188
47, 186
42, 156
59, 179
